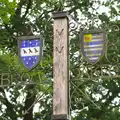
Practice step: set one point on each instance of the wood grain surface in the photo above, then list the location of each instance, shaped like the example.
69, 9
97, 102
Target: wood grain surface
60, 69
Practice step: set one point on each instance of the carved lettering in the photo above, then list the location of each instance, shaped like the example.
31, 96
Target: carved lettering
59, 32
59, 49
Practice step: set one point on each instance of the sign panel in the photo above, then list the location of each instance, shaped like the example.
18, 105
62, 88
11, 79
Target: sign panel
30, 50
93, 45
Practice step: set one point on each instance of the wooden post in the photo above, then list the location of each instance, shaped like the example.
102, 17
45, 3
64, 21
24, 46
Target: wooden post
60, 67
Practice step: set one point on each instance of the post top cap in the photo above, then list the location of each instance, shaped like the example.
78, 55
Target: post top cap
60, 14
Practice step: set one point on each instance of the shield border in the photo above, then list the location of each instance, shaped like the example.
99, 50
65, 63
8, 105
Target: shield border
30, 38
104, 45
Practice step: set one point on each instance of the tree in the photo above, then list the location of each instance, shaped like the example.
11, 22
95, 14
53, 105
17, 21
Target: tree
90, 99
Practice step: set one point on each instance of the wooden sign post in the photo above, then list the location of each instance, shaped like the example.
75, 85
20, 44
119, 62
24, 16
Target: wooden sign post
60, 67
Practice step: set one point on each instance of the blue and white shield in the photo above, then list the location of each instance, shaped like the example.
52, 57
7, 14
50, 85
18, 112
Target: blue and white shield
93, 44
30, 50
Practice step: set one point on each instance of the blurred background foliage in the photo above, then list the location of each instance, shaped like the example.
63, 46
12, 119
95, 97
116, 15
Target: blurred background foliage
29, 94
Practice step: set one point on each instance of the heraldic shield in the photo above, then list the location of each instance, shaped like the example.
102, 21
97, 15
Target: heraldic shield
93, 44
30, 50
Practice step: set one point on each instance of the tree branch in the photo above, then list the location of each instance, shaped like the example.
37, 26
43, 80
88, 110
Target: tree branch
9, 111
29, 4
30, 98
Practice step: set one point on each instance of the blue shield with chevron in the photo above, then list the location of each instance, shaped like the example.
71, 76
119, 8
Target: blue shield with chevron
93, 44
30, 50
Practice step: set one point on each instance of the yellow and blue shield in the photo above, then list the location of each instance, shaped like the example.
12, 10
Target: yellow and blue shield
30, 50
93, 44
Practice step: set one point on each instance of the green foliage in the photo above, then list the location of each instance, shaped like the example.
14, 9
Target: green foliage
7, 9
90, 99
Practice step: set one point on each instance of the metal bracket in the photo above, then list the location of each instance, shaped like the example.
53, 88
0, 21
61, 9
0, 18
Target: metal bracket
61, 117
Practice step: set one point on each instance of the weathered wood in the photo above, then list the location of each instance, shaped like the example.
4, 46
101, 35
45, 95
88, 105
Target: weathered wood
60, 65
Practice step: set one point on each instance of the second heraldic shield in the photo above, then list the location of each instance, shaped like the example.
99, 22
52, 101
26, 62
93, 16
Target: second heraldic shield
30, 50
93, 44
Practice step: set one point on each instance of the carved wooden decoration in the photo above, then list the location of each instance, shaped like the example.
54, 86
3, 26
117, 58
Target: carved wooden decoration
60, 63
